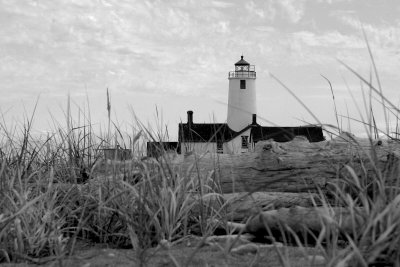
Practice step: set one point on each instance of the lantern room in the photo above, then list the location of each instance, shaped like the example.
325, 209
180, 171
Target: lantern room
243, 69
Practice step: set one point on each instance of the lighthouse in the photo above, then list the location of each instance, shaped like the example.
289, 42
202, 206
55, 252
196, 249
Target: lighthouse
241, 132
242, 95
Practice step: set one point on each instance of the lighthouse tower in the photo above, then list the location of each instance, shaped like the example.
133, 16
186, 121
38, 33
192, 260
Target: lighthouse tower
242, 95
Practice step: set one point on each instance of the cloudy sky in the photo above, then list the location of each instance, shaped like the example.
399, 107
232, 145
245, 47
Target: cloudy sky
175, 55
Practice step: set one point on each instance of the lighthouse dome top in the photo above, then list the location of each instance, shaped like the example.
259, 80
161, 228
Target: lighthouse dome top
243, 69
242, 62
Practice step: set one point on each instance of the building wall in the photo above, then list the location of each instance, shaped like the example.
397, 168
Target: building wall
235, 145
198, 147
232, 147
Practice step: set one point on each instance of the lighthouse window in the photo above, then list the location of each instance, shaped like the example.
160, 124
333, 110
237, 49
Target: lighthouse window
242, 84
245, 142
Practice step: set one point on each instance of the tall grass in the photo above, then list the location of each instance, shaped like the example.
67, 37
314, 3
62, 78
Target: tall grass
60, 191
368, 191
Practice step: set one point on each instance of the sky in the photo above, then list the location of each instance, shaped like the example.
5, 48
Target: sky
168, 57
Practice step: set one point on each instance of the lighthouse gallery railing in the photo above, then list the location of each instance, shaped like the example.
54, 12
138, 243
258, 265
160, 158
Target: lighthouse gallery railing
242, 74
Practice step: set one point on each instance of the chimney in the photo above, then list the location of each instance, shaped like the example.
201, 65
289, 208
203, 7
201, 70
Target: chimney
254, 119
190, 118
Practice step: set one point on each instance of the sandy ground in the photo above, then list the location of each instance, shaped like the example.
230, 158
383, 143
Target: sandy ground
188, 253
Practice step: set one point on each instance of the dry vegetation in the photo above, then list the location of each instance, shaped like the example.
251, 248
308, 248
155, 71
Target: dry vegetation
58, 194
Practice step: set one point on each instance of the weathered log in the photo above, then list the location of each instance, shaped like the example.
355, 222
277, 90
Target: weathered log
240, 206
300, 220
295, 166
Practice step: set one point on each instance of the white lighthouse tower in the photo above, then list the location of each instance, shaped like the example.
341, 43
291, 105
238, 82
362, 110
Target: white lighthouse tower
242, 95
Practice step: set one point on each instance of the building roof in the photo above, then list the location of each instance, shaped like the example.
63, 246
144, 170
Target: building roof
242, 62
220, 132
206, 132
284, 134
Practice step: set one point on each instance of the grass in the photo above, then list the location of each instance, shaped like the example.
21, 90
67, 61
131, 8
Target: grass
60, 191
369, 193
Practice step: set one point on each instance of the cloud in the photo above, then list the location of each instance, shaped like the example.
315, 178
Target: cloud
253, 9
289, 10
332, 39
222, 27
266, 29
383, 35
293, 9
126, 45
330, 2
383, 39
221, 4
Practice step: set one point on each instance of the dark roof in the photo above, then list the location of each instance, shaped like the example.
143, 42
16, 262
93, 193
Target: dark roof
242, 62
284, 134
220, 132
206, 132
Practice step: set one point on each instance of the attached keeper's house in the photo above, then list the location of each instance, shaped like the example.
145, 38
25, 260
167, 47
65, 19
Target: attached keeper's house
241, 132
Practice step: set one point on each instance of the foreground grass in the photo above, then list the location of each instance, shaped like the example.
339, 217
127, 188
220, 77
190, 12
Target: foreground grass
50, 203
56, 193
60, 193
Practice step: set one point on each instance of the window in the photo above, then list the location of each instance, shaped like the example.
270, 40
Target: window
245, 142
242, 84
220, 148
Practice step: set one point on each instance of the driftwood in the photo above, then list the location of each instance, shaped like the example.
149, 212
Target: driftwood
240, 206
300, 220
295, 166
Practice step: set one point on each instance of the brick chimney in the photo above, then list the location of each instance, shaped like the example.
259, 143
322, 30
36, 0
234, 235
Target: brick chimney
254, 119
190, 118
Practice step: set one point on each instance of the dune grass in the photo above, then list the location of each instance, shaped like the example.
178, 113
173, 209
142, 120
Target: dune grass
372, 196
60, 191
